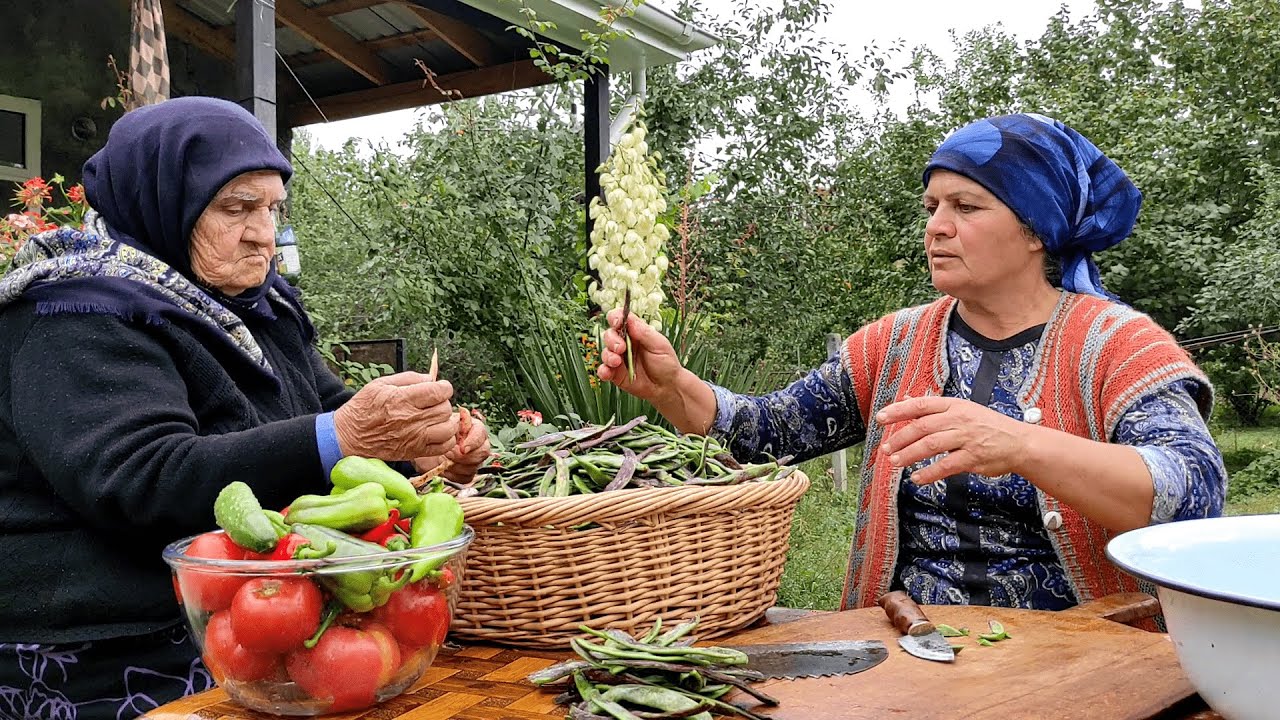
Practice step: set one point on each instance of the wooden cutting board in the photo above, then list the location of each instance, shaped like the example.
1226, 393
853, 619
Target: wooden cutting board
1064, 666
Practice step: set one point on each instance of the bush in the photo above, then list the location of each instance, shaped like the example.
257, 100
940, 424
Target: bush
1260, 477
1237, 460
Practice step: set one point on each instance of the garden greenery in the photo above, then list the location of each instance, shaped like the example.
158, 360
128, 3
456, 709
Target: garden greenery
808, 220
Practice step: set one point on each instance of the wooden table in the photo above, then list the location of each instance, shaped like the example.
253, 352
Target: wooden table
480, 682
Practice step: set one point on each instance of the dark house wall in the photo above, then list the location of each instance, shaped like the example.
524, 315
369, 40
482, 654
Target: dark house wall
59, 57
56, 52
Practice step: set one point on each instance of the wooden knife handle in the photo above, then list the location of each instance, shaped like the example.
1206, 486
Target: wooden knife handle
905, 614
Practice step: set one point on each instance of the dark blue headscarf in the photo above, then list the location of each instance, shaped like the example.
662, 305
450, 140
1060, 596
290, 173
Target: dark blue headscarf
1076, 200
163, 164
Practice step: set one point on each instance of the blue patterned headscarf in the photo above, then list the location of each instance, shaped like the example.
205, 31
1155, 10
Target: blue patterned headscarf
1057, 182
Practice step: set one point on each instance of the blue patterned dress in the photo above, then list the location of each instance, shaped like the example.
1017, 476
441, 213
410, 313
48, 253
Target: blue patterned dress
971, 539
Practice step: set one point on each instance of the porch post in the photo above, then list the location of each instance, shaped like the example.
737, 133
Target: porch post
596, 122
256, 60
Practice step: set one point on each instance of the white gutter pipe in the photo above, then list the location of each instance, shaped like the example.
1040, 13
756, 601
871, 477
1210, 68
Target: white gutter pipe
670, 26
628, 110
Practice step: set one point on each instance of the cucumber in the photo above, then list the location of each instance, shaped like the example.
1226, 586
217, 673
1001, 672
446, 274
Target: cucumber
238, 512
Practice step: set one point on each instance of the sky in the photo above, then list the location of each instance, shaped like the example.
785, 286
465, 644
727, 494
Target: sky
852, 23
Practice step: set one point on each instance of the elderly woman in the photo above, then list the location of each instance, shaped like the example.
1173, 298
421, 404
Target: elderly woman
1014, 424
151, 358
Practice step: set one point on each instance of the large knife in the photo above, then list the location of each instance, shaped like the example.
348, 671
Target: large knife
814, 659
919, 636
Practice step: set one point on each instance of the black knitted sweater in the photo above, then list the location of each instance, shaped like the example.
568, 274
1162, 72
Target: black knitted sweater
115, 438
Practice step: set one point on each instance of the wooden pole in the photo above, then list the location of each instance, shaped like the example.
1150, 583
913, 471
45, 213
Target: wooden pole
256, 60
595, 123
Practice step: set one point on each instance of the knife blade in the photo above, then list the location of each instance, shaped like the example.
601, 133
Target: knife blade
919, 636
814, 659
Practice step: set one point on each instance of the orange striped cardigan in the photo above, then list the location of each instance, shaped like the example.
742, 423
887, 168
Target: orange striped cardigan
1094, 359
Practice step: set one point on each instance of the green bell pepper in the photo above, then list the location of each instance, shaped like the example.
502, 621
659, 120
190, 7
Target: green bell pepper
352, 471
359, 590
438, 520
362, 507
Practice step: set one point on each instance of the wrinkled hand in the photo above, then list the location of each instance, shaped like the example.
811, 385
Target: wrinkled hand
398, 417
975, 439
655, 362
464, 456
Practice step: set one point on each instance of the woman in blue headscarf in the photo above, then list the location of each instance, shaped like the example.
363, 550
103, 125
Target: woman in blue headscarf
1013, 425
152, 357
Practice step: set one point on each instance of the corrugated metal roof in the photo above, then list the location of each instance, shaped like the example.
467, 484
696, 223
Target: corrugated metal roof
655, 36
378, 21
491, 18
213, 12
363, 25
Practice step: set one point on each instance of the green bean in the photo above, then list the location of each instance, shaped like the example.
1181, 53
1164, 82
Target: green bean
725, 656
659, 671
592, 697
602, 458
562, 476
669, 637
658, 698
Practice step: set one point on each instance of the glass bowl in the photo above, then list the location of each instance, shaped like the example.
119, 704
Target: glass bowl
316, 636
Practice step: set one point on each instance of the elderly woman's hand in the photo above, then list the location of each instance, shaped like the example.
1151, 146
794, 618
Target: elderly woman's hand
975, 439
464, 457
398, 417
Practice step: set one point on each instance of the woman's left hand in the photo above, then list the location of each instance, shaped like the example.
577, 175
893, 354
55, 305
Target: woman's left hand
975, 439
464, 458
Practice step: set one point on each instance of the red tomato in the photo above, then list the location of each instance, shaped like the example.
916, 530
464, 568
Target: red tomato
275, 614
388, 648
417, 614
210, 590
408, 654
284, 549
446, 577
348, 665
227, 659
411, 656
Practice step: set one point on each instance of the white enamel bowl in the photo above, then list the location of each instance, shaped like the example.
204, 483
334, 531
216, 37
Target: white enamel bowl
1218, 581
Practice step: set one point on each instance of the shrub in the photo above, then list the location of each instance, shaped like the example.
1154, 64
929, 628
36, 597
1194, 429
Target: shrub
1260, 477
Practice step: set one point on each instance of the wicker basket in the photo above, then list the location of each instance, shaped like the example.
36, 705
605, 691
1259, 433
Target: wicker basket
715, 553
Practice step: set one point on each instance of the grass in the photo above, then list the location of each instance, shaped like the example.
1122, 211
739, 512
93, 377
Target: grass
822, 527
821, 533
1241, 446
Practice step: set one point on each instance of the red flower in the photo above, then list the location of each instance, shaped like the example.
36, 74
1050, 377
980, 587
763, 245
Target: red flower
533, 417
76, 193
34, 192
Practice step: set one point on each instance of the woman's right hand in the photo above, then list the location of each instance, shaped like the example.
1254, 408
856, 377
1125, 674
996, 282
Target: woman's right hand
398, 417
656, 366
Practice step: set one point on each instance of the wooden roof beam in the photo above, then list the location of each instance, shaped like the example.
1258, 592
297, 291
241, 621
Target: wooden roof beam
191, 29
460, 36
382, 43
328, 37
415, 93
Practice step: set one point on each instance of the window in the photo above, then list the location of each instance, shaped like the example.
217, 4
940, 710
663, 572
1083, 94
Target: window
19, 138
